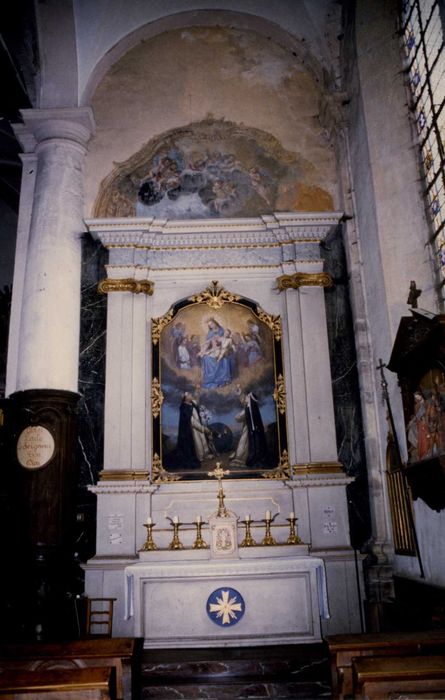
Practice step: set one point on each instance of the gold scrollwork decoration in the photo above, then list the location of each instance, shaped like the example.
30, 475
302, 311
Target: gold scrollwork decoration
157, 397
274, 322
304, 279
214, 296
158, 324
283, 471
279, 394
126, 285
159, 474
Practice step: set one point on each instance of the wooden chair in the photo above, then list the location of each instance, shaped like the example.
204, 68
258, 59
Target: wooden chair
99, 617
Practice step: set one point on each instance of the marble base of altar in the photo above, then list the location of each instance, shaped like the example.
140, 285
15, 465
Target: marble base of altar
282, 600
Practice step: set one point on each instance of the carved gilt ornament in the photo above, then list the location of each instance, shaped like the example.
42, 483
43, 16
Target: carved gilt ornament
214, 296
126, 285
304, 279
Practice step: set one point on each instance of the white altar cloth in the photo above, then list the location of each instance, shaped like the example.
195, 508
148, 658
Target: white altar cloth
284, 598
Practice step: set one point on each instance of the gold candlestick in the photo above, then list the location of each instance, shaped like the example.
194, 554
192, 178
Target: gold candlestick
248, 540
268, 539
293, 534
149, 544
199, 542
175, 543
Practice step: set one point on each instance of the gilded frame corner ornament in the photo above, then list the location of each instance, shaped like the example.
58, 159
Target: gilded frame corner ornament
158, 324
274, 322
125, 285
164, 386
304, 279
159, 475
284, 470
214, 296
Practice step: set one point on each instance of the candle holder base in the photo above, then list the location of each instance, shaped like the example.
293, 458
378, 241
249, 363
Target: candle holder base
199, 543
248, 540
149, 545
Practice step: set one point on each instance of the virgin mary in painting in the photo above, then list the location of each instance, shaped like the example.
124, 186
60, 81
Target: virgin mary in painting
217, 373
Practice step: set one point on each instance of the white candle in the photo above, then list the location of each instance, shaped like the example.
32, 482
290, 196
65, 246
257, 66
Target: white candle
149, 520
291, 515
267, 514
198, 518
175, 519
247, 518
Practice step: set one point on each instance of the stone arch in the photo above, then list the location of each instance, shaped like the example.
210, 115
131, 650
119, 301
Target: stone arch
321, 71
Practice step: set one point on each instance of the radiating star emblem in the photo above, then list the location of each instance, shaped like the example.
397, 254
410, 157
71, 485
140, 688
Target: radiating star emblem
225, 606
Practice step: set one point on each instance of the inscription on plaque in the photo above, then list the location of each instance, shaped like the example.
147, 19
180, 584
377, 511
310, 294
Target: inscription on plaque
35, 447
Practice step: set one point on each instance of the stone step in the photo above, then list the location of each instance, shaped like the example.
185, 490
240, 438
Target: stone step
235, 691
294, 671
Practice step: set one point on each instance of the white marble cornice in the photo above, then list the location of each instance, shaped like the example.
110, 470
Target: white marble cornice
264, 231
320, 480
111, 487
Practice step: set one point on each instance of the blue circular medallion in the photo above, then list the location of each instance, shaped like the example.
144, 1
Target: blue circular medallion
225, 606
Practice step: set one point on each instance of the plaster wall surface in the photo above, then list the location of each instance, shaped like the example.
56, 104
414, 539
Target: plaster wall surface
101, 25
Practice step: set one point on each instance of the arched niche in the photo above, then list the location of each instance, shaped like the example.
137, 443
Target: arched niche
303, 40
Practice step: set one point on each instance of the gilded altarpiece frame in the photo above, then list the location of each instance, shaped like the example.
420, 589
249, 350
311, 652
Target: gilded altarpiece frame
218, 389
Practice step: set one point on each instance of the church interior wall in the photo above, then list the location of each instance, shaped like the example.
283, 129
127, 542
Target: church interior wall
153, 78
391, 229
253, 83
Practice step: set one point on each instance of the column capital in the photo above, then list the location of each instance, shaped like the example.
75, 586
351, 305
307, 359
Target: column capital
44, 124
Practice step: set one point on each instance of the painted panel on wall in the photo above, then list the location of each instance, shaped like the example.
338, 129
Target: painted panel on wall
216, 381
210, 169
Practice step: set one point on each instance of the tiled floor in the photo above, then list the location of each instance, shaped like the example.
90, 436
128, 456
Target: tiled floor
298, 671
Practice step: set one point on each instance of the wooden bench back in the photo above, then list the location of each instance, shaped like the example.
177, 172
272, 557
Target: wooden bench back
344, 647
60, 684
382, 676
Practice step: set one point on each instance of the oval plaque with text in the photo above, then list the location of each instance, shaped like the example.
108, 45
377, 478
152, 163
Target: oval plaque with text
35, 447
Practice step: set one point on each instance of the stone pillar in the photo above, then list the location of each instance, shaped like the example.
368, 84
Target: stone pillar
48, 343
41, 420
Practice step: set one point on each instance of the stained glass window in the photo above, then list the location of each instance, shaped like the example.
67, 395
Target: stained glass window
423, 38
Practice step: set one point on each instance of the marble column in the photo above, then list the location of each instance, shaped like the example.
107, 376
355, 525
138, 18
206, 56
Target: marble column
41, 415
48, 340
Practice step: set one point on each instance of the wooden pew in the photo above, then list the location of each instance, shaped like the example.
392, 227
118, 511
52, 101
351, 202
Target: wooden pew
382, 677
121, 652
344, 647
59, 684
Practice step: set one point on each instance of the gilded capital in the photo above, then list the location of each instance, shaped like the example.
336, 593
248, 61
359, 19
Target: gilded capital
304, 279
126, 285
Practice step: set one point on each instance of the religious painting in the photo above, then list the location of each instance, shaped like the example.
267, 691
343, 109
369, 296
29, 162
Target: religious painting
218, 389
211, 169
426, 424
